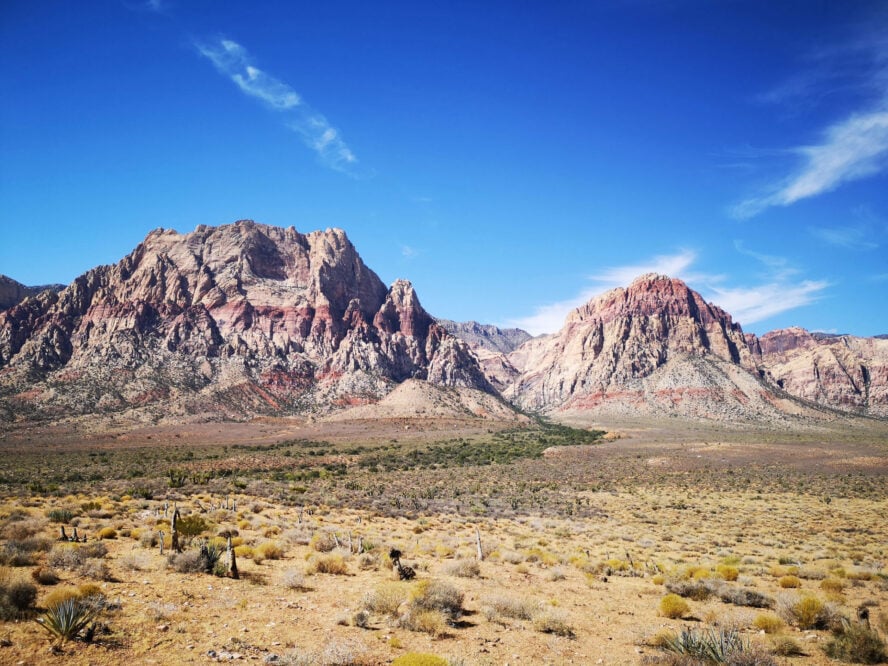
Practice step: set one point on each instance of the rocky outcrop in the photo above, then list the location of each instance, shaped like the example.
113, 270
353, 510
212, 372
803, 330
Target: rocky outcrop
229, 321
840, 371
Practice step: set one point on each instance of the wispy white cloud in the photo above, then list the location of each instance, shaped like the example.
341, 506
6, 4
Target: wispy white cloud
550, 317
852, 149
409, 252
673, 265
776, 293
849, 238
749, 305
232, 60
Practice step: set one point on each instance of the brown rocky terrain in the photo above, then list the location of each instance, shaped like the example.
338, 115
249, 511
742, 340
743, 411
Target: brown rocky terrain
225, 322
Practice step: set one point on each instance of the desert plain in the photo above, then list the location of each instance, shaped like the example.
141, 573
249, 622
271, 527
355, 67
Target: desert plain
767, 535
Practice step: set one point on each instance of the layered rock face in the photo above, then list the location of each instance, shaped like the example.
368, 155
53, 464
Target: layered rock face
230, 321
655, 347
845, 372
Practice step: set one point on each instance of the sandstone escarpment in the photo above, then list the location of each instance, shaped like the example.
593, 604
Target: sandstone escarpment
845, 372
230, 321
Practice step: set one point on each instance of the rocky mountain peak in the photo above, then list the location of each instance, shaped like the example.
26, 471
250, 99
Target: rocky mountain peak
627, 337
283, 316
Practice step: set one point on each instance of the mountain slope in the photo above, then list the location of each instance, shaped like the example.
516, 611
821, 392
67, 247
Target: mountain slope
227, 321
653, 348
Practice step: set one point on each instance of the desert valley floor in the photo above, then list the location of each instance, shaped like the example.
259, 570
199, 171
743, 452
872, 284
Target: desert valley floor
774, 534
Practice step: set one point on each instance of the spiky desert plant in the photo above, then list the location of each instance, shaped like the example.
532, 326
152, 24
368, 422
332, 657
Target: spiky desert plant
67, 619
715, 647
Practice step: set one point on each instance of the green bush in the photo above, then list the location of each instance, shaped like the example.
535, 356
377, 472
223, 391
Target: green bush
192, 525
60, 515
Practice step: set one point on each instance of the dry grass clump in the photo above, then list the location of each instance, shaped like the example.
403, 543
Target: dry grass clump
386, 598
768, 622
673, 606
463, 568
188, 562
553, 621
727, 572
517, 608
269, 550
293, 579
696, 589
107, 533
45, 575
741, 596
786, 646
330, 563
432, 622
323, 542
832, 585
134, 562
436, 595
23, 552
789, 582
86, 592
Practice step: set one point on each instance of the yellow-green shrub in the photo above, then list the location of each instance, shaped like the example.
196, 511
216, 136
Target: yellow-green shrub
269, 550
430, 622
789, 582
332, 563
673, 606
832, 585
806, 612
768, 622
386, 598
107, 533
727, 571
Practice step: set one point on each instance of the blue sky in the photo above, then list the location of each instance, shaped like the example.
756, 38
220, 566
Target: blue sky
512, 159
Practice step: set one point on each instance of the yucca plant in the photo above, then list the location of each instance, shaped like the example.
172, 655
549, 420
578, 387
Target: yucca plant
714, 647
67, 619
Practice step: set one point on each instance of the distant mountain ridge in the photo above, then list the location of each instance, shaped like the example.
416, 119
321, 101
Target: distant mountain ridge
12, 292
247, 319
487, 336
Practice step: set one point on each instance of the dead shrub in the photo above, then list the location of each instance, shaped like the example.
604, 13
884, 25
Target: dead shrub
332, 563
463, 569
